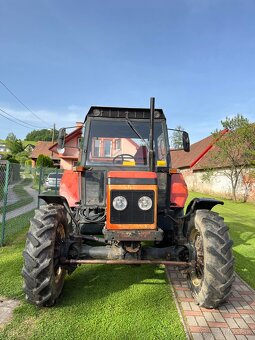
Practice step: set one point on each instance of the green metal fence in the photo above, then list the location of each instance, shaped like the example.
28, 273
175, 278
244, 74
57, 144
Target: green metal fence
19, 188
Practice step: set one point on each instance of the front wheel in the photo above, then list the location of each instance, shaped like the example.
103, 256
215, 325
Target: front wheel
42, 271
211, 249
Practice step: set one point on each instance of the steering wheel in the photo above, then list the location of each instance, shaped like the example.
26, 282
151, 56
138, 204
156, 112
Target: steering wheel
122, 156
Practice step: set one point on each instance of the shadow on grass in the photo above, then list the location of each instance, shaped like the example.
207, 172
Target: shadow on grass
98, 281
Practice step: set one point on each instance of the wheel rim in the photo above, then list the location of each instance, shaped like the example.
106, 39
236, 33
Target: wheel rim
59, 242
198, 273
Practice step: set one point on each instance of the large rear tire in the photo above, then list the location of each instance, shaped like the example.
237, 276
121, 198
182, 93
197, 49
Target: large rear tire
42, 271
211, 280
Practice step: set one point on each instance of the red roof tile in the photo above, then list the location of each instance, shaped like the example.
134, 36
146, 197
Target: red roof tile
42, 148
197, 158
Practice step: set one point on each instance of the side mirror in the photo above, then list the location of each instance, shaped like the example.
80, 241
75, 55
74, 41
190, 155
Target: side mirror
185, 141
61, 140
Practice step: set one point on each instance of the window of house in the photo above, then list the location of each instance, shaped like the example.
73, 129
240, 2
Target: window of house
97, 148
118, 144
107, 148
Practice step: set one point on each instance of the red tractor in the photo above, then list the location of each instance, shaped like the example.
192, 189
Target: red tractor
124, 204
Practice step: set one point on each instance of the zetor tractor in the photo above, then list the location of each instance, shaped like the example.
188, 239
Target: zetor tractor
124, 204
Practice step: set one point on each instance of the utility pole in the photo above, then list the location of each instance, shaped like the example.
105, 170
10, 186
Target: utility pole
53, 137
53, 133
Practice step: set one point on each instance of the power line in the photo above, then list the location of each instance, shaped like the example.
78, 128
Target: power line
17, 119
23, 103
12, 120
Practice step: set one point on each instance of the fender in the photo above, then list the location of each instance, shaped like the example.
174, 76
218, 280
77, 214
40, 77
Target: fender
54, 199
58, 199
202, 203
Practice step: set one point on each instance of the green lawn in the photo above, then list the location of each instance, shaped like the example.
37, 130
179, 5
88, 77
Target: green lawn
240, 217
98, 302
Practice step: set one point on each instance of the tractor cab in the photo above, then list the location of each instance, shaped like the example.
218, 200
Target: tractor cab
117, 143
119, 138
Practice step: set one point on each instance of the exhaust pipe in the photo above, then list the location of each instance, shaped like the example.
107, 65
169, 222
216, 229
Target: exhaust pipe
151, 151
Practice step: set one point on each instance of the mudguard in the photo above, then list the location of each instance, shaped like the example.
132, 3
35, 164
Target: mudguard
57, 199
202, 203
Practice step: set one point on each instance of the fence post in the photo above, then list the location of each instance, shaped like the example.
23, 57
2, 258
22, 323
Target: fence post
56, 184
40, 184
6, 183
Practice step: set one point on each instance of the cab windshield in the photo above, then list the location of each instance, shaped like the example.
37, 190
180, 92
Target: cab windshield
116, 143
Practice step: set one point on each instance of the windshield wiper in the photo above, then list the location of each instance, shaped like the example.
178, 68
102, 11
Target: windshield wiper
138, 134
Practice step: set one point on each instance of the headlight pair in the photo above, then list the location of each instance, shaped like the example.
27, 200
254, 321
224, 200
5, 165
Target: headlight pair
120, 203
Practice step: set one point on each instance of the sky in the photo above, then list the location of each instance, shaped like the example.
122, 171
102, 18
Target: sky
59, 57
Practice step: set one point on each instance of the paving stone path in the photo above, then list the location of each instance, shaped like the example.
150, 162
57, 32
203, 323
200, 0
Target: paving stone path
26, 208
12, 197
6, 309
235, 320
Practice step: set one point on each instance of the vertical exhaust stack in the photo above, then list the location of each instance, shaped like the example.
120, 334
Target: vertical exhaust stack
151, 150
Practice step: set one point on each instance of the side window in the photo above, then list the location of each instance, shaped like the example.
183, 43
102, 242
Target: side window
161, 147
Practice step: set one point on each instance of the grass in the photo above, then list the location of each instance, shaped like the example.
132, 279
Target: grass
98, 302
240, 217
23, 197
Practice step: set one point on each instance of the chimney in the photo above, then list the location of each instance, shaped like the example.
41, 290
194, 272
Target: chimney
78, 124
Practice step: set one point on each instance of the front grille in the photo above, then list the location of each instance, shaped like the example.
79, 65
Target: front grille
132, 214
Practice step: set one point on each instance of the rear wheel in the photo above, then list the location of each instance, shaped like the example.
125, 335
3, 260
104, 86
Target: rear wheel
42, 271
211, 249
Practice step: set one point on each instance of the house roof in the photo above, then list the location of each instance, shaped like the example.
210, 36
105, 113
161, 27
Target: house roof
42, 148
198, 157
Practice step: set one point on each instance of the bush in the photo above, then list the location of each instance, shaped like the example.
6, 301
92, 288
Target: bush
44, 161
28, 162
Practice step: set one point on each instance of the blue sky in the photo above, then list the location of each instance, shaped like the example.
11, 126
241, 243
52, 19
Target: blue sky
196, 57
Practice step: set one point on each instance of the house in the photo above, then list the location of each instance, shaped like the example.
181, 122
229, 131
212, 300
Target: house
3, 149
105, 149
29, 146
102, 149
72, 144
42, 148
201, 176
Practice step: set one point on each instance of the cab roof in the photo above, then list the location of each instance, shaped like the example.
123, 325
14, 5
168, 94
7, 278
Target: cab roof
123, 112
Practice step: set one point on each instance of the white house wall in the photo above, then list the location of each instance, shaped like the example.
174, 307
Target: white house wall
217, 184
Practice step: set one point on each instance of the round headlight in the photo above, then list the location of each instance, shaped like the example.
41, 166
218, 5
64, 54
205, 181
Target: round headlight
119, 203
145, 203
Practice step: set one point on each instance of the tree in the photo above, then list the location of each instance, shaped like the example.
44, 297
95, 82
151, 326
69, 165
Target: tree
44, 161
234, 151
22, 157
11, 137
11, 159
41, 135
176, 138
14, 144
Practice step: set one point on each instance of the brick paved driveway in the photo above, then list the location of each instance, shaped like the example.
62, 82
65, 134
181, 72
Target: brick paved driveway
233, 320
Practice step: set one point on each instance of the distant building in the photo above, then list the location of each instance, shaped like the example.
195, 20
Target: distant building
3, 147
194, 166
42, 148
72, 148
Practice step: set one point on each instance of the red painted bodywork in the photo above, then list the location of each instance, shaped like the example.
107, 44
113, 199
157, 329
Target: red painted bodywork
69, 187
131, 174
179, 191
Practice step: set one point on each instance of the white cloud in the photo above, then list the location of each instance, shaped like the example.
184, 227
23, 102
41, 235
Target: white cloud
62, 117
